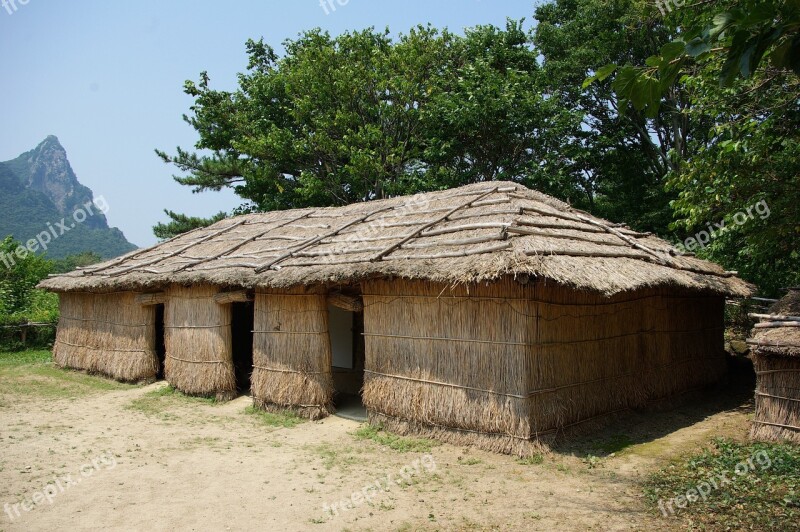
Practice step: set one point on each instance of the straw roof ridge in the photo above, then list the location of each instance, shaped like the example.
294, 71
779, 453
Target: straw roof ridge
779, 335
477, 232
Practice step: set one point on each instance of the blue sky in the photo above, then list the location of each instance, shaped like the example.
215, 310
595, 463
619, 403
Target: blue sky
106, 78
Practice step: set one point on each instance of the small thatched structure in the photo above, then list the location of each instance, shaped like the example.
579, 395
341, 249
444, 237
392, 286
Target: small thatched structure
776, 357
490, 314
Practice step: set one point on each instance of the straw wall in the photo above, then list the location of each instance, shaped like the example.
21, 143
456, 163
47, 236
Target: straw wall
109, 334
777, 416
291, 353
198, 342
503, 363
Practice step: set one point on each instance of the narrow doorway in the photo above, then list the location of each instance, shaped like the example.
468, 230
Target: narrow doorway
242, 321
161, 348
346, 330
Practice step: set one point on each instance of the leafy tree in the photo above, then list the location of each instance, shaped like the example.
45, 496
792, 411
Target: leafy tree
619, 157
19, 299
361, 116
751, 158
73, 262
745, 113
180, 223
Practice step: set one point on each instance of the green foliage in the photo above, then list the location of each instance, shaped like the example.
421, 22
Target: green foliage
397, 443
765, 496
619, 160
73, 262
21, 301
742, 141
741, 34
361, 116
18, 282
180, 223
750, 154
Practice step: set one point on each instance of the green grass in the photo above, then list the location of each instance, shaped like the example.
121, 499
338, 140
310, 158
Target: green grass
765, 496
398, 443
615, 444
342, 457
158, 401
534, 459
286, 419
31, 373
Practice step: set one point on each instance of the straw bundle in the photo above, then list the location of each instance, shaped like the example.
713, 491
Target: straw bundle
776, 359
109, 334
501, 364
198, 342
291, 353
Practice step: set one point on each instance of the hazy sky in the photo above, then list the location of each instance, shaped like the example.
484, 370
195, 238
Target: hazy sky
106, 78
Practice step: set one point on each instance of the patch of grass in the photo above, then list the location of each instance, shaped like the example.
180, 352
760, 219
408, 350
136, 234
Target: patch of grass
397, 443
24, 358
763, 492
592, 461
286, 419
615, 444
32, 373
156, 402
469, 461
339, 456
535, 459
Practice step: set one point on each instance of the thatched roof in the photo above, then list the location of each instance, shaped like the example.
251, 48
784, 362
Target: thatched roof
779, 334
473, 233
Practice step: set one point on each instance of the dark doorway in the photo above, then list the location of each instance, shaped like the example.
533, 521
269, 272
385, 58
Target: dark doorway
242, 321
161, 348
346, 330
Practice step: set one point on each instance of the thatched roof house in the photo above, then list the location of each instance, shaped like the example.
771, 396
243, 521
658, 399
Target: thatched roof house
489, 312
776, 357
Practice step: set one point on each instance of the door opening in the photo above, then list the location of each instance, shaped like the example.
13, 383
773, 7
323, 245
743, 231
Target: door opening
242, 321
161, 349
346, 330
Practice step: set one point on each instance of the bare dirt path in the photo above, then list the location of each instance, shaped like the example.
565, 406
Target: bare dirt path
142, 461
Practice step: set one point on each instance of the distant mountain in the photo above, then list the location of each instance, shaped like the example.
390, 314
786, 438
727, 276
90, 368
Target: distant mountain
39, 193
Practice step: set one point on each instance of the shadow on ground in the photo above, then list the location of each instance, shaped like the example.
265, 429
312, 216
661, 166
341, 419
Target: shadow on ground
647, 425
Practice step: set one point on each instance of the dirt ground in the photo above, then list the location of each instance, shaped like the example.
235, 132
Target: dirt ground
134, 458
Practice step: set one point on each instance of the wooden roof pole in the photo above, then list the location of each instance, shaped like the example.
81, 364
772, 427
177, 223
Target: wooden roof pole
241, 244
179, 251
317, 239
428, 225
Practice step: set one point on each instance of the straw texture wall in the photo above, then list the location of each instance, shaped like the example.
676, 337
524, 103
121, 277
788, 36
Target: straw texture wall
198, 342
109, 334
777, 416
291, 352
503, 365
776, 359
